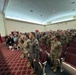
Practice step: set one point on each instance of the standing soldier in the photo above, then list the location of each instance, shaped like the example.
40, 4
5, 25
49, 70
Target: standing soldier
25, 45
69, 35
20, 40
56, 50
63, 38
34, 54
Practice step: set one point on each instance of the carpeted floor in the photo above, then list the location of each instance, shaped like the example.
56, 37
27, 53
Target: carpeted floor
12, 64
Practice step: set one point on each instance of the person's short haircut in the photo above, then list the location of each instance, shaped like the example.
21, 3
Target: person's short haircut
58, 37
33, 33
26, 35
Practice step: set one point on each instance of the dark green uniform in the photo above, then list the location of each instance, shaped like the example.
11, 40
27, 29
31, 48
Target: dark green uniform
34, 54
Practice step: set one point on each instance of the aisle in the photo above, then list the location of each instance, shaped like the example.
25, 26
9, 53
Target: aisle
50, 72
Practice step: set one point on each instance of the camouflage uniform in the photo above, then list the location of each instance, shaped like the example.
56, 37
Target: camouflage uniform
48, 41
56, 50
43, 39
69, 38
20, 43
26, 47
63, 39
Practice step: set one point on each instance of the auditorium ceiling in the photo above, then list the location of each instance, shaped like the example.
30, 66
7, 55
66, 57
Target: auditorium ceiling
41, 11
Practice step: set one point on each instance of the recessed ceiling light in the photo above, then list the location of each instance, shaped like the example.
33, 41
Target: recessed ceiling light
73, 2
73, 9
40, 15
31, 10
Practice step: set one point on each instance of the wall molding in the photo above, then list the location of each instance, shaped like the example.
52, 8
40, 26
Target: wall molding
23, 21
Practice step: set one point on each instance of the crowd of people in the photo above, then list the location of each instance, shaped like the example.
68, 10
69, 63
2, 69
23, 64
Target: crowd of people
28, 43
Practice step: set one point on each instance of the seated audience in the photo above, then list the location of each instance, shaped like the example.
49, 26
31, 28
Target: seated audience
10, 42
53, 40
6, 39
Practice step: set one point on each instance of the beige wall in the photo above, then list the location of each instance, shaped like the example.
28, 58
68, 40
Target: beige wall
62, 26
2, 27
12, 25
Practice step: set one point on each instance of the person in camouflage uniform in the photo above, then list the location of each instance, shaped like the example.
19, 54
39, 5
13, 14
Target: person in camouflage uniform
34, 52
56, 50
44, 38
69, 35
25, 45
63, 38
20, 40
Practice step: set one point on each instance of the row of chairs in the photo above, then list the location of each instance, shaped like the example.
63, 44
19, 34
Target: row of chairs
70, 58
45, 47
3, 39
68, 55
44, 54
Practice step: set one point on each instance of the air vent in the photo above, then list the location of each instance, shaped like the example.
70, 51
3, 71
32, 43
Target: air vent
73, 9
31, 10
41, 15
73, 2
